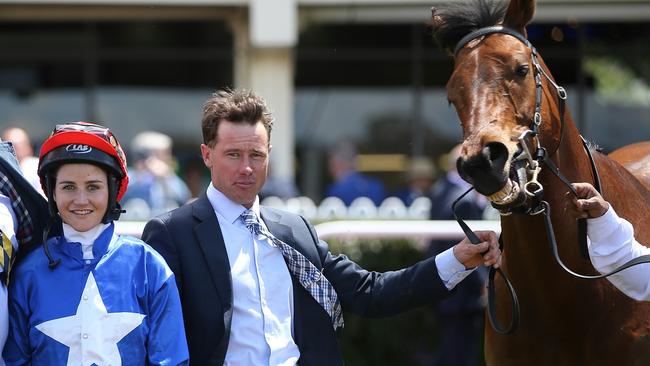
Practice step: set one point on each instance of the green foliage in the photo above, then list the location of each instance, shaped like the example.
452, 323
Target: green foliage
406, 339
617, 82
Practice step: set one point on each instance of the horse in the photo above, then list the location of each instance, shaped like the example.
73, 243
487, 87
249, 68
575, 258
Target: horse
636, 159
508, 105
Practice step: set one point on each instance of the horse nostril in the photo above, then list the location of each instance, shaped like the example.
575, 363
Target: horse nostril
496, 153
485, 170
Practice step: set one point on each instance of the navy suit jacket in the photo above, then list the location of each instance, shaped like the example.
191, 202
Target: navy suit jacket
190, 239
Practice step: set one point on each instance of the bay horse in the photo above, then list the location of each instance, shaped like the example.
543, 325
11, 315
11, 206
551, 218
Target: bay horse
508, 104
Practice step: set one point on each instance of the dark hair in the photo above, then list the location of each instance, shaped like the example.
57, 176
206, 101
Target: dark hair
236, 106
455, 20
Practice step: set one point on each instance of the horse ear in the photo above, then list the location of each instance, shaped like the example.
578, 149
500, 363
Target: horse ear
436, 20
435, 24
519, 14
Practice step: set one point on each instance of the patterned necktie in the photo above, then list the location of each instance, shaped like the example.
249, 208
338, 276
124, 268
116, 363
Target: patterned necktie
302, 269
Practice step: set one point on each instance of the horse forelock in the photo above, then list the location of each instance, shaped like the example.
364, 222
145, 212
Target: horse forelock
455, 20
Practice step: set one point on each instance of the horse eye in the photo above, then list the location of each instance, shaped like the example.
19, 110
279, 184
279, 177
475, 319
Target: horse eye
522, 70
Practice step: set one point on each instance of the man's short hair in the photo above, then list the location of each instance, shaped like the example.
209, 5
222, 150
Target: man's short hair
236, 106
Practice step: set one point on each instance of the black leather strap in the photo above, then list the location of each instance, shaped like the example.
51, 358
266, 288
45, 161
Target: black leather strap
490, 30
551, 239
492, 312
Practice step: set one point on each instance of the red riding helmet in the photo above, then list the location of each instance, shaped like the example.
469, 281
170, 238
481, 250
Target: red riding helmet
83, 142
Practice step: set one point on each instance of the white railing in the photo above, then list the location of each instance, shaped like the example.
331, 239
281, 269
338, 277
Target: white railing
362, 219
370, 229
331, 208
411, 229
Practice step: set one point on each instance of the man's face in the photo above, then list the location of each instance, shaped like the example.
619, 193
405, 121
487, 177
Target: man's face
238, 161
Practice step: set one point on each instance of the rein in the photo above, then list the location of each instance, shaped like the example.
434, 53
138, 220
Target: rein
514, 322
536, 155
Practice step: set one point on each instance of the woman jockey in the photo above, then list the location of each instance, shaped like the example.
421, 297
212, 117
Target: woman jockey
91, 296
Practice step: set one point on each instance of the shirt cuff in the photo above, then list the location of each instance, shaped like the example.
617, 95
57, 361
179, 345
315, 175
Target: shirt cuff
450, 270
608, 236
603, 226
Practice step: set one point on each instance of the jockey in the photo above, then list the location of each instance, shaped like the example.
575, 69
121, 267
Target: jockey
91, 296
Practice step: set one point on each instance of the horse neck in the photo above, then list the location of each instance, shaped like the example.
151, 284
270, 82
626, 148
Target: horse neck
566, 148
527, 251
562, 141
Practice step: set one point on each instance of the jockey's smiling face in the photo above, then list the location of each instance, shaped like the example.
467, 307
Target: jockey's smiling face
81, 195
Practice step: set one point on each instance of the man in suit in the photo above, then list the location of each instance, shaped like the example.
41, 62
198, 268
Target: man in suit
269, 292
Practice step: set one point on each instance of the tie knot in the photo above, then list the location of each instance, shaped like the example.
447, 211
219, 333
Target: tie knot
251, 221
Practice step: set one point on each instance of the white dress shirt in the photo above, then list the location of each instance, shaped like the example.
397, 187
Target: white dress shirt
262, 319
8, 225
611, 244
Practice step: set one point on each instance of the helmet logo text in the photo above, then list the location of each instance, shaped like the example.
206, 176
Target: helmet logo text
78, 148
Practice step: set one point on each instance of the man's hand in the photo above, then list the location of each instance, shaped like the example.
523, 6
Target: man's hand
470, 255
588, 204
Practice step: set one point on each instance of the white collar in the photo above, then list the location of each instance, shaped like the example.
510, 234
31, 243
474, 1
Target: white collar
227, 208
86, 238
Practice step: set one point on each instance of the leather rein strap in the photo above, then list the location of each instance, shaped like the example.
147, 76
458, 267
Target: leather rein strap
514, 322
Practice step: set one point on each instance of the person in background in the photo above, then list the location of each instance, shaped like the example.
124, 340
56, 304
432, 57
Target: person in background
25, 154
420, 177
611, 242
152, 178
349, 183
278, 186
91, 296
194, 175
459, 318
23, 213
257, 285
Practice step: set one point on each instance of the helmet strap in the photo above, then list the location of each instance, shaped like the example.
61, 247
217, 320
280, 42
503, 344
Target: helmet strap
114, 210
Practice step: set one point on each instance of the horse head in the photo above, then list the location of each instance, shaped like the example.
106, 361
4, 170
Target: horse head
498, 91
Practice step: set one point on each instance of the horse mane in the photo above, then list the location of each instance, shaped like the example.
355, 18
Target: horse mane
593, 146
455, 20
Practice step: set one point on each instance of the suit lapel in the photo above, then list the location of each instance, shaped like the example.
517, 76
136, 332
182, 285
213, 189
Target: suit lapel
273, 221
212, 244
283, 229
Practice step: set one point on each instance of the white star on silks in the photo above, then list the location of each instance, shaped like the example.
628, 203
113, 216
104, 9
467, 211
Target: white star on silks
92, 333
